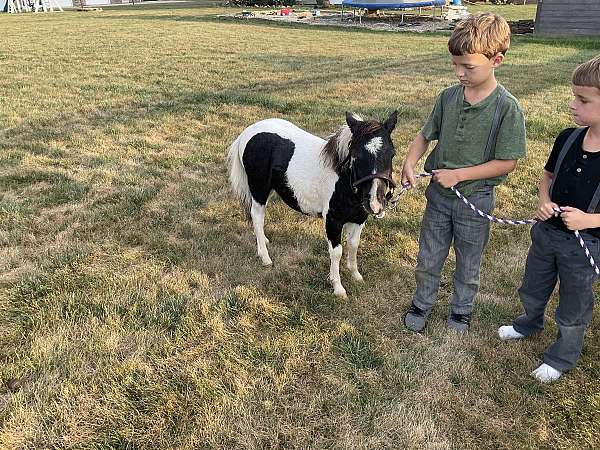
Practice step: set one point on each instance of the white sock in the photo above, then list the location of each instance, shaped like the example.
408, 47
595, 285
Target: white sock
546, 373
507, 332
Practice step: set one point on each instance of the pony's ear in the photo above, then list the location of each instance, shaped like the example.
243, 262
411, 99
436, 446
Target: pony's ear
390, 123
352, 121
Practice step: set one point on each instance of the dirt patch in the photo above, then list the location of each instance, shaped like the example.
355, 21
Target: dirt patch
384, 22
389, 21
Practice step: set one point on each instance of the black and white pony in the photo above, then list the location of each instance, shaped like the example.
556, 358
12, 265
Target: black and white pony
343, 179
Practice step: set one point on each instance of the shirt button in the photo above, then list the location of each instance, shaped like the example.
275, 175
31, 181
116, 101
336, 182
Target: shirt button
579, 169
584, 156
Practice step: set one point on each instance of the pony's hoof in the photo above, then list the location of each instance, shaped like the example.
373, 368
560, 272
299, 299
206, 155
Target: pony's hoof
266, 261
357, 277
341, 293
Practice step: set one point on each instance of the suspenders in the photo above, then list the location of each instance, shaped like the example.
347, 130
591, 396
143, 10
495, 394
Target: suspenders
561, 156
450, 94
490, 146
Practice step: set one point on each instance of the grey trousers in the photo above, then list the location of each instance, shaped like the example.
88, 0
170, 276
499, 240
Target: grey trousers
448, 220
555, 254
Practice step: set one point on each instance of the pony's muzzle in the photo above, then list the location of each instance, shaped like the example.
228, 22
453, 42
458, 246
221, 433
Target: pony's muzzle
377, 197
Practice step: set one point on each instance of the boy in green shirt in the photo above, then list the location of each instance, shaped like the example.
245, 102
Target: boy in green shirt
480, 133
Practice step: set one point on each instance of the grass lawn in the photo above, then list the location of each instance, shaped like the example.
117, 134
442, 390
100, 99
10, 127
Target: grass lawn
134, 312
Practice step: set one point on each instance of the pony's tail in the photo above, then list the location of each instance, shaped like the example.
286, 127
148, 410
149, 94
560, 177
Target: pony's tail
238, 177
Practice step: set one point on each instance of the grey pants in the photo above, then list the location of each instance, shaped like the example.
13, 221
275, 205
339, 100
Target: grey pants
555, 254
447, 220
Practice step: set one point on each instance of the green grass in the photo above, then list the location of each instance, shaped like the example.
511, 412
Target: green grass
134, 312
509, 12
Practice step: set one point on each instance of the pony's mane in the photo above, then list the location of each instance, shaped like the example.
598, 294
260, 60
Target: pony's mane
338, 144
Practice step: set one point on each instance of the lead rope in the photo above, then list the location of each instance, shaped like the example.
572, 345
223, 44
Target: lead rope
393, 203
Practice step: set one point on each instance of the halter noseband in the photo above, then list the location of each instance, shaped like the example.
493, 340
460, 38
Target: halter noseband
381, 175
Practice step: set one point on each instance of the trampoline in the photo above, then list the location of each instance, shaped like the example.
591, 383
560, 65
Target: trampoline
373, 5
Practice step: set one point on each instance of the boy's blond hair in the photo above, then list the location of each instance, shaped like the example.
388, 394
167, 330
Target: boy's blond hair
588, 73
484, 33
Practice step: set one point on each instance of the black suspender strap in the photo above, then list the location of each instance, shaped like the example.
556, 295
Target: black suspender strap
563, 152
491, 142
490, 146
451, 95
595, 200
447, 96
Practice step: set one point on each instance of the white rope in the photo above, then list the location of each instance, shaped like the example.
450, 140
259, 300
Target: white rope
406, 186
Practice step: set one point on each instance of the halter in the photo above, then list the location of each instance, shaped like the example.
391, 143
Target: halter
382, 175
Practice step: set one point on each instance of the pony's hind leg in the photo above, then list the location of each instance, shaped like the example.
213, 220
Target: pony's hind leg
353, 231
257, 212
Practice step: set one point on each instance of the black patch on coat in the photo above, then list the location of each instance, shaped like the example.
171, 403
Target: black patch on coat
266, 160
344, 207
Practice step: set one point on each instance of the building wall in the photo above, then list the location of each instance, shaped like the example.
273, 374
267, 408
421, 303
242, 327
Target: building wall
77, 3
568, 18
62, 3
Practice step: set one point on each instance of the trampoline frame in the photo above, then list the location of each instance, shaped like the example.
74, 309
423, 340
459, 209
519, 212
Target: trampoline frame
358, 5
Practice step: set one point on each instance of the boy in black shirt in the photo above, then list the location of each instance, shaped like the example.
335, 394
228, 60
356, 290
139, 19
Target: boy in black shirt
571, 182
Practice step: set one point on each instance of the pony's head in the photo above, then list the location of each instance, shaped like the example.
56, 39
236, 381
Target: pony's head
371, 151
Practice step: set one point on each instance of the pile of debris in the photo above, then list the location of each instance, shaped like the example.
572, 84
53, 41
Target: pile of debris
521, 26
379, 21
375, 20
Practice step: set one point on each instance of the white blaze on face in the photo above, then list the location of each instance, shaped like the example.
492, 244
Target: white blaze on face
374, 145
374, 203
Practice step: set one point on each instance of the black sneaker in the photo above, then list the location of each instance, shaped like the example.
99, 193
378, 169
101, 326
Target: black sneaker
459, 322
415, 318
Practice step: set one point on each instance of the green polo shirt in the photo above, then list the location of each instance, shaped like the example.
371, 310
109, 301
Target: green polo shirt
462, 131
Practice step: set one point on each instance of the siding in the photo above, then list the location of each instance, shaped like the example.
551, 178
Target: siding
568, 18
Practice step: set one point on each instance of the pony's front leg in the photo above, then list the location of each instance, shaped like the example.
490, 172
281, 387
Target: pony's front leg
334, 240
353, 231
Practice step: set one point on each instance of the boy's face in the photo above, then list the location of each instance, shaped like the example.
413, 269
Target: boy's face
475, 69
585, 107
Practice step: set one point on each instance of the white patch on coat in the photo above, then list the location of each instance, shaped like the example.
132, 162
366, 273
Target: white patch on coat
353, 231
343, 137
374, 145
258, 221
335, 255
309, 178
374, 203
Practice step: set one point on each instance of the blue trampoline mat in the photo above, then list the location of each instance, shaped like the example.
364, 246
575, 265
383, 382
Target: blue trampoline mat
391, 5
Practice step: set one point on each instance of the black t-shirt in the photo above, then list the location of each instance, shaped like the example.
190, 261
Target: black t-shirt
578, 177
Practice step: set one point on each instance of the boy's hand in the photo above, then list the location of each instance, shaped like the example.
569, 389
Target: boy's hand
545, 210
408, 176
575, 219
447, 177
